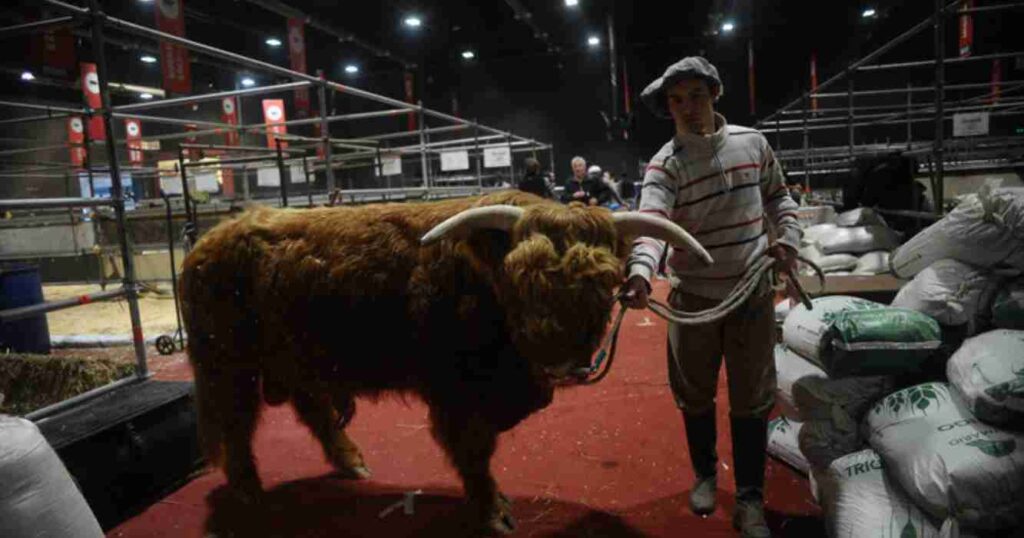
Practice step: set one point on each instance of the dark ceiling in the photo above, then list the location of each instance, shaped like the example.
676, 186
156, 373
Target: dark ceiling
533, 72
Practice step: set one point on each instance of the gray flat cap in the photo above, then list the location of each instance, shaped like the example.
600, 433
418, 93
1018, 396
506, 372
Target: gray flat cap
690, 67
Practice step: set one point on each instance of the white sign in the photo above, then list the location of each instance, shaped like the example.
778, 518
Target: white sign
497, 157
391, 165
171, 185
268, 176
454, 160
297, 173
206, 181
970, 124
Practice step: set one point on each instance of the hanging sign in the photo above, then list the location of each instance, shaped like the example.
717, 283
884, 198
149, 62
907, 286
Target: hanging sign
452, 161
273, 117
91, 91
174, 62
133, 139
497, 157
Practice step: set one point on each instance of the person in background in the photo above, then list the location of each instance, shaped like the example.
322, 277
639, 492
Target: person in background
573, 186
534, 181
722, 184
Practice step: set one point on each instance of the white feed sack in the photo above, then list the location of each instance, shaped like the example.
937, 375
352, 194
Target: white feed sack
862, 216
950, 463
783, 444
988, 372
789, 369
873, 263
782, 310
859, 240
804, 330
828, 264
859, 499
813, 233
986, 229
952, 292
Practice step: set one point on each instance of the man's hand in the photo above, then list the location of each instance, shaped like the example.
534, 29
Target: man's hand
635, 292
785, 256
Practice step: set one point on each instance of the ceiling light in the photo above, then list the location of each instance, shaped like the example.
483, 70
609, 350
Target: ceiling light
571, 3
468, 54
27, 76
413, 21
147, 59
351, 68
248, 82
728, 27
146, 96
594, 41
273, 42
869, 12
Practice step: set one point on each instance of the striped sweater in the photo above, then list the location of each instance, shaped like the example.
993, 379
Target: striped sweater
719, 188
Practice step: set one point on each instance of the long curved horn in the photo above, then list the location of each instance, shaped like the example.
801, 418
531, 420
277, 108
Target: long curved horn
497, 217
640, 224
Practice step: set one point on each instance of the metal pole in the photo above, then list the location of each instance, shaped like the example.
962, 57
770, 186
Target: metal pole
309, 187
191, 99
511, 163
940, 79
32, 27
849, 117
910, 100
49, 109
807, 178
174, 266
31, 119
280, 171
117, 190
990, 8
926, 63
87, 160
325, 131
187, 196
423, 148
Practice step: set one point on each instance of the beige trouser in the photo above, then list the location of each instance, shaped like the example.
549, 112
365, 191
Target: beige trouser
746, 338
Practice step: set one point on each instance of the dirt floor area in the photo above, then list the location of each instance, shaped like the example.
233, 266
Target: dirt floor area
156, 308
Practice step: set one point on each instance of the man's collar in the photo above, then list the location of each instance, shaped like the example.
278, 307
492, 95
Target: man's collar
714, 140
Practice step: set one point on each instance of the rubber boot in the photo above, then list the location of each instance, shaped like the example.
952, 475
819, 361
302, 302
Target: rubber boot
701, 437
749, 442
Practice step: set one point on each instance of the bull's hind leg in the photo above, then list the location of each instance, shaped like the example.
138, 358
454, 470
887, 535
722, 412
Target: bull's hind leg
327, 417
470, 443
237, 398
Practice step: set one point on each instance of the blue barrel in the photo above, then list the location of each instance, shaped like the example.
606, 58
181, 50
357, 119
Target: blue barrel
21, 286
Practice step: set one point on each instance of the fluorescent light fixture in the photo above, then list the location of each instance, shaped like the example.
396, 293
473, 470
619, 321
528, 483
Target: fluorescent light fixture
413, 21
145, 96
351, 69
273, 42
572, 3
248, 82
147, 59
593, 41
27, 76
869, 12
728, 27
468, 54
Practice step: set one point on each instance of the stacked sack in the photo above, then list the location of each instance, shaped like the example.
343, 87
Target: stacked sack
838, 359
858, 243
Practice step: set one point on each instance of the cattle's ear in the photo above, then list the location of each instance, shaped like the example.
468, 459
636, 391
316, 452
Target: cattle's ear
487, 248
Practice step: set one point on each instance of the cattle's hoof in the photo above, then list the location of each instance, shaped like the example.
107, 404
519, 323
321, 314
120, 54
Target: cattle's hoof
501, 521
354, 472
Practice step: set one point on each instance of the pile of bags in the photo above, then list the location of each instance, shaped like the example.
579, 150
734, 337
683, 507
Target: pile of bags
858, 242
906, 449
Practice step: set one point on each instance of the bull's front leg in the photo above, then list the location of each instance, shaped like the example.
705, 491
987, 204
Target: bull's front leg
470, 442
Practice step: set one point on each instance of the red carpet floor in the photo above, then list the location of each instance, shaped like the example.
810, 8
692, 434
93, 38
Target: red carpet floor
608, 460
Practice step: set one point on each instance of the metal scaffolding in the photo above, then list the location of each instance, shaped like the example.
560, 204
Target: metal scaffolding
421, 166
874, 114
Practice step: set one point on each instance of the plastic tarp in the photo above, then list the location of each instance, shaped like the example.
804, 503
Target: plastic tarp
862, 216
988, 372
953, 293
873, 263
859, 240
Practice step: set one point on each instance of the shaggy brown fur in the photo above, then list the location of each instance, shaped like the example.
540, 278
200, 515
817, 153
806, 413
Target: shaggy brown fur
319, 306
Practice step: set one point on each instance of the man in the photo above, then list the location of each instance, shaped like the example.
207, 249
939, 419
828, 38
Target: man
722, 184
533, 181
587, 185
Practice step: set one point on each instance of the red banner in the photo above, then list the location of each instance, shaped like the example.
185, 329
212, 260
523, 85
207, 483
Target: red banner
997, 81
56, 50
297, 53
174, 62
229, 115
133, 139
966, 29
76, 140
192, 154
91, 91
814, 81
750, 74
273, 117
410, 98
